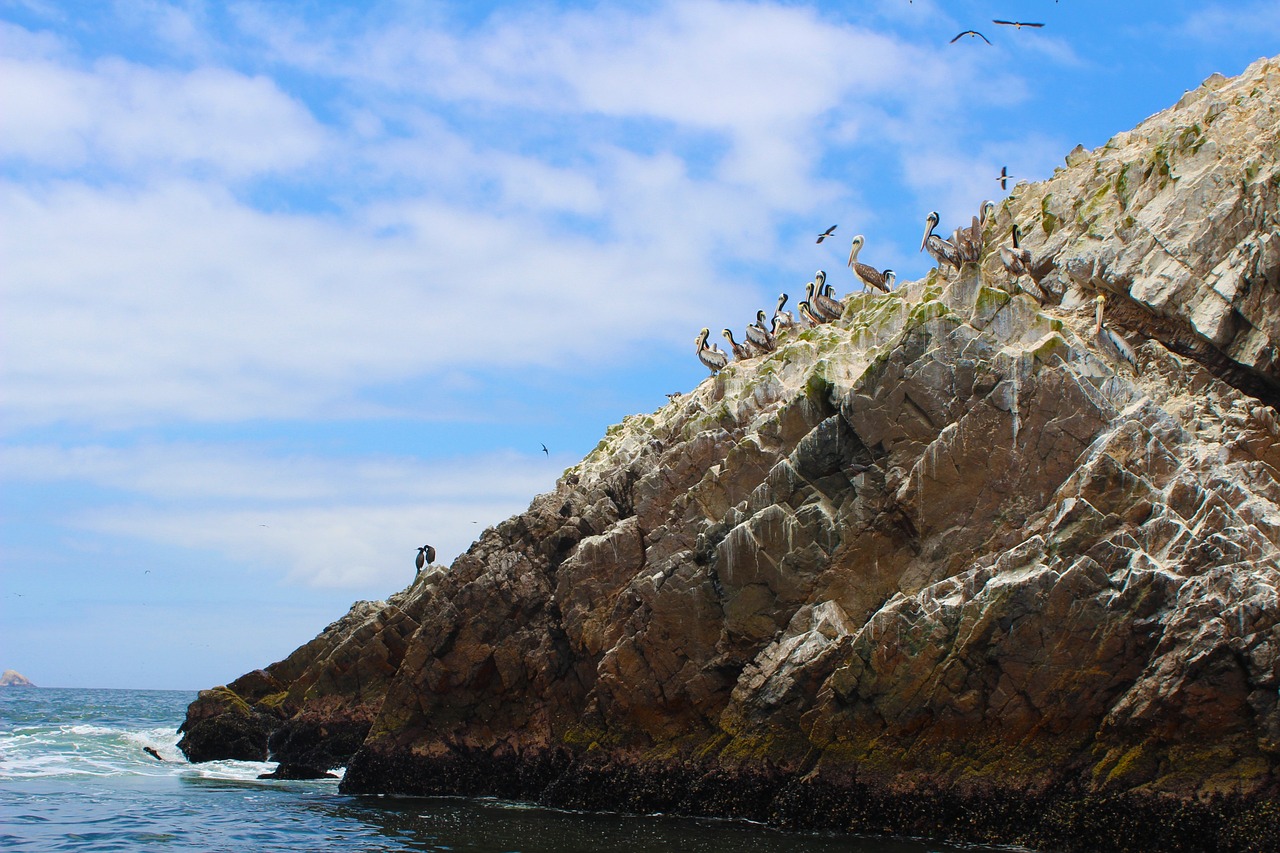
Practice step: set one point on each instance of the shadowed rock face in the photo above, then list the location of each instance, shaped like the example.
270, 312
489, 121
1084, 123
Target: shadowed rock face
942, 567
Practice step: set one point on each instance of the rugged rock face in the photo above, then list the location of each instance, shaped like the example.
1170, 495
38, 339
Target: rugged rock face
945, 566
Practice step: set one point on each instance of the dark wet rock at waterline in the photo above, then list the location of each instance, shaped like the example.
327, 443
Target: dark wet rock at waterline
944, 567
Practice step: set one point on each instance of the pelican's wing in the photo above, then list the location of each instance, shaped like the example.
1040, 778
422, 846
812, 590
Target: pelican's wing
981, 36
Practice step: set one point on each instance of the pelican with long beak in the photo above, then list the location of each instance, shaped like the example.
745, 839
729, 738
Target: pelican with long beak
712, 356
806, 314
942, 251
1016, 260
823, 307
869, 275
1111, 342
783, 319
741, 352
759, 336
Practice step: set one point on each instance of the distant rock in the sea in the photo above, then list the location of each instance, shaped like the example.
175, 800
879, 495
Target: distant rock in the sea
12, 678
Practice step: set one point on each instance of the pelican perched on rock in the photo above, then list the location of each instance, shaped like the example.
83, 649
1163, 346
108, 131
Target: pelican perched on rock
942, 251
782, 319
823, 306
760, 336
889, 278
741, 351
712, 356
426, 556
1111, 342
968, 241
869, 275
1017, 262
807, 318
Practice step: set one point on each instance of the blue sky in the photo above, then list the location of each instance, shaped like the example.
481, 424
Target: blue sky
289, 289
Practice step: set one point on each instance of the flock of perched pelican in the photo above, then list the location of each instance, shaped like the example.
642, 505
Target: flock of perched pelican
820, 304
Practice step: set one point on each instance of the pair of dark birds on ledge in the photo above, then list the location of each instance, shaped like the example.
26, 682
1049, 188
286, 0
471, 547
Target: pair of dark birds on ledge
426, 556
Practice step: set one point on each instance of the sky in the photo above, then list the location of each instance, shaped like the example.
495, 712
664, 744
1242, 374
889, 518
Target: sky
290, 289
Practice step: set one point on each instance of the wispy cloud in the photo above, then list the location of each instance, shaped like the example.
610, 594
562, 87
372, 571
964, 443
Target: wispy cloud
328, 522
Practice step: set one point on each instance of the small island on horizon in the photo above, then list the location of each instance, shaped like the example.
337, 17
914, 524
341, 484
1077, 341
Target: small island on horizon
13, 678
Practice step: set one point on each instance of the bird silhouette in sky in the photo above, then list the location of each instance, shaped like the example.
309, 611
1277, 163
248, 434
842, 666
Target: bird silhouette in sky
1004, 177
1017, 25
825, 234
544, 450
971, 34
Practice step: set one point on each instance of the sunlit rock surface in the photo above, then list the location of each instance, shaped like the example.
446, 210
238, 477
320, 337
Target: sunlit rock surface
945, 566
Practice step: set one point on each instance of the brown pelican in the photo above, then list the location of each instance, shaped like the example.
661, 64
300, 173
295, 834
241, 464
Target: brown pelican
1017, 25
825, 234
868, 274
821, 305
1004, 177
426, 556
712, 356
943, 251
985, 210
806, 313
1016, 260
971, 34
968, 241
783, 319
758, 335
1111, 342
889, 278
741, 352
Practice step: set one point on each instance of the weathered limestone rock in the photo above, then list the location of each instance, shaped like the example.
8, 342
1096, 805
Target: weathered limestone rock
942, 567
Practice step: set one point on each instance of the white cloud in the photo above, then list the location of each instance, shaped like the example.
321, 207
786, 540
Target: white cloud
1257, 21
326, 522
122, 115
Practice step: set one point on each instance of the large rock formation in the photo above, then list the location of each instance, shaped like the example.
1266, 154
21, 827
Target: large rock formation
946, 566
13, 678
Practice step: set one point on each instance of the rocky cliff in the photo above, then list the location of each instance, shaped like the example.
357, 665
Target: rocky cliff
946, 566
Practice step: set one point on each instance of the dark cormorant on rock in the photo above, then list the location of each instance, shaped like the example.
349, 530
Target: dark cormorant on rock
426, 556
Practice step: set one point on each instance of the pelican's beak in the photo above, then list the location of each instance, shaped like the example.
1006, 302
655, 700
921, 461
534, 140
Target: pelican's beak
928, 229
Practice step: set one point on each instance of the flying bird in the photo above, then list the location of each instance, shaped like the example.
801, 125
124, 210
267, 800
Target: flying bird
426, 556
1004, 177
544, 450
825, 234
1015, 24
971, 34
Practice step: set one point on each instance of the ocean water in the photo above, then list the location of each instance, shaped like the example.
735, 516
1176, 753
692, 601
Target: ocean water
74, 776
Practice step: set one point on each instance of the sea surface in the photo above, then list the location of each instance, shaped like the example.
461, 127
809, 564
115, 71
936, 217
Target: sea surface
74, 776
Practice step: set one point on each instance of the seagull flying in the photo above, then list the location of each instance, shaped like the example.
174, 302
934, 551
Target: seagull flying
825, 234
544, 450
1004, 177
971, 33
1015, 24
